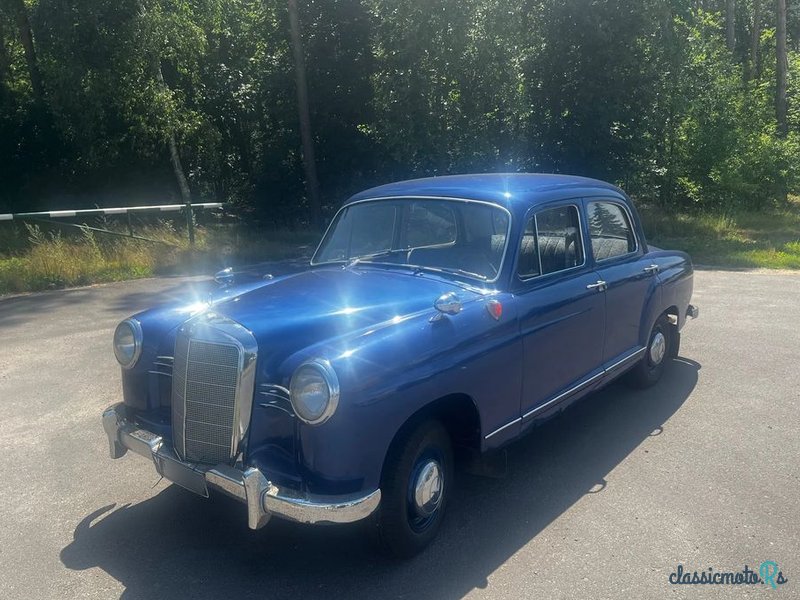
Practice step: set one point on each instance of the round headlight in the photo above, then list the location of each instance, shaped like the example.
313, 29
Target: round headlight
314, 391
128, 343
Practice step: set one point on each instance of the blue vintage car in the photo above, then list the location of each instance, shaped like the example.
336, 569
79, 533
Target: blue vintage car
438, 318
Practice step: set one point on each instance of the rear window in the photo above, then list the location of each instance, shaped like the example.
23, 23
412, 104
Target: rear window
610, 230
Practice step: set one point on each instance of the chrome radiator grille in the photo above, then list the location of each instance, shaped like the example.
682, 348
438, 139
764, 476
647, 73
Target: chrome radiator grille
208, 421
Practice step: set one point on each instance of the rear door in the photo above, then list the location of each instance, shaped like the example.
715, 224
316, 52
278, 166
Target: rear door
620, 261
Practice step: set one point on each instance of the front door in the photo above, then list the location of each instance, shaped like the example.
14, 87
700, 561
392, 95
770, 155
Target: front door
561, 316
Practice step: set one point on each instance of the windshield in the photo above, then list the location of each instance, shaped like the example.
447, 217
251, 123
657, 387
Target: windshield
463, 237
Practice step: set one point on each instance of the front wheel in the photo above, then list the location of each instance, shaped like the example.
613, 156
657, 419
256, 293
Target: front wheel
416, 482
660, 347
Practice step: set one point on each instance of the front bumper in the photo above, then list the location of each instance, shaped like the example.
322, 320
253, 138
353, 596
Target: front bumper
262, 497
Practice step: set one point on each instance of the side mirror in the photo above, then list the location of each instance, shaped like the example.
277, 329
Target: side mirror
224, 277
447, 304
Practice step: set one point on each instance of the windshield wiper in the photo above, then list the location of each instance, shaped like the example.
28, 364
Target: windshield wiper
452, 270
368, 257
417, 268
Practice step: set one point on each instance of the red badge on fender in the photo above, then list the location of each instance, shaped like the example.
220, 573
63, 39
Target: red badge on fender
495, 309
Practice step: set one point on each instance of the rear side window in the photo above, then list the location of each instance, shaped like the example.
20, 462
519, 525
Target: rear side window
610, 231
551, 242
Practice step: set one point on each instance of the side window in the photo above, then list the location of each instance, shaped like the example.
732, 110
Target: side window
430, 224
610, 231
551, 242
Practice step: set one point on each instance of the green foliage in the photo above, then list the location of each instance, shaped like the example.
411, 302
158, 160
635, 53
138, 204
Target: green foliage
640, 92
737, 238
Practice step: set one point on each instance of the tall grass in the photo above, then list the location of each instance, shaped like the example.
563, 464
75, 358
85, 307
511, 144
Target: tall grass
52, 260
36, 259
769, 239
40, 260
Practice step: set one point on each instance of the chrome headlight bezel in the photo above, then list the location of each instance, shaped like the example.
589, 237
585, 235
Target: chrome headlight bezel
323, 369
135, 329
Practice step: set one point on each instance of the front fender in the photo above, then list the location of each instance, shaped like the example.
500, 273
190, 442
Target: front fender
390, 373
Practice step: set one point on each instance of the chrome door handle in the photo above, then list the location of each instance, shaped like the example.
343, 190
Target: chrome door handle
599, 286
651, 270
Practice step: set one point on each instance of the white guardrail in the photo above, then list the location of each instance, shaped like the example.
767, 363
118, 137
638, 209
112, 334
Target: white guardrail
56, 214
48, 216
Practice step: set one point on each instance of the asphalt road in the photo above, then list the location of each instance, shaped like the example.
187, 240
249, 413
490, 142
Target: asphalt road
603, 502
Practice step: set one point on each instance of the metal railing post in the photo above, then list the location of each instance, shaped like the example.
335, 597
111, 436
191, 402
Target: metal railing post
190, 223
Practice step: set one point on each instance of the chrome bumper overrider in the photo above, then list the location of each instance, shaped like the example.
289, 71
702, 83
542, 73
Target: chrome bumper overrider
262, 497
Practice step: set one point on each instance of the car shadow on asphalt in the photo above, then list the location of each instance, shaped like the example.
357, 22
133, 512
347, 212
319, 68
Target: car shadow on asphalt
23, 308
20, 309
180, 545
197, 289
17, 310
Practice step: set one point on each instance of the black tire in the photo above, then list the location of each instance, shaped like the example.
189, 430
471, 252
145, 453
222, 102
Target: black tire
402, 531
649, 370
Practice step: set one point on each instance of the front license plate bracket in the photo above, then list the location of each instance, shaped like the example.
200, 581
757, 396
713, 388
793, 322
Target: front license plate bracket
183, 475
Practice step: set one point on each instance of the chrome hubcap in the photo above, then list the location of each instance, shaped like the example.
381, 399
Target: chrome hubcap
658, 347
428, 489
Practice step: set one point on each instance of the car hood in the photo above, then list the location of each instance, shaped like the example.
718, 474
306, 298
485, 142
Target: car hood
317, 305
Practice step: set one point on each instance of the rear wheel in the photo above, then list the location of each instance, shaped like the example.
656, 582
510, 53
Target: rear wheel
416, 483
660, 348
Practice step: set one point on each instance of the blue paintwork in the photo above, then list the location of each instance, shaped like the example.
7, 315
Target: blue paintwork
373, 324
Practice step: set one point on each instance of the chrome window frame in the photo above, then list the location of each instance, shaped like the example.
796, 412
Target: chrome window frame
418, 197
533, 214
628, 216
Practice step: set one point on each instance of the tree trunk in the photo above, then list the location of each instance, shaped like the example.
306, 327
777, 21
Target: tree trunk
781, 68
177, 167
309, 163
172, 144
5, 61
26, 38
730, 24
755, 42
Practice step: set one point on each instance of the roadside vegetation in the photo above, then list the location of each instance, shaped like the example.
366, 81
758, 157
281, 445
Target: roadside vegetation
34, 259
690, 105
281, 110
745, 239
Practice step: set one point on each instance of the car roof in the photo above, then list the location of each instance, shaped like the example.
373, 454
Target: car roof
513, 191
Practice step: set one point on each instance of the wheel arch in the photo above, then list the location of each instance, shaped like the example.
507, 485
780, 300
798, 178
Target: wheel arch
673, 314
459, 415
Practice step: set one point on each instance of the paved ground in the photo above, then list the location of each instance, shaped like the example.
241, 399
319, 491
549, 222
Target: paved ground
604, 502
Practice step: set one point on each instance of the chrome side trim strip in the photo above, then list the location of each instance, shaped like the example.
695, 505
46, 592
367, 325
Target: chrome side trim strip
626, 359
514, 422
573, 389
276, 407
160, 373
